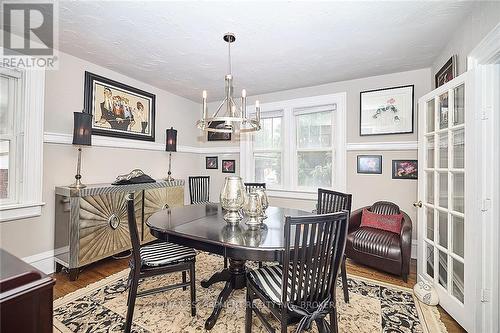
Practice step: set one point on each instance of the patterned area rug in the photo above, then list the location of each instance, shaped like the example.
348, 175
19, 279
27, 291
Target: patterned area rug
101, 307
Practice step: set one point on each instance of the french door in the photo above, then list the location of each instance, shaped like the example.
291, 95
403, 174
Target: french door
446, 254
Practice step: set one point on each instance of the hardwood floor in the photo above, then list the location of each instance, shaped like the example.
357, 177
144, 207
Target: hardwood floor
107, 267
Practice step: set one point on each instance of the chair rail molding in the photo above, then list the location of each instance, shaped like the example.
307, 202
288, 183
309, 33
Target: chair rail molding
110, 142
382, 146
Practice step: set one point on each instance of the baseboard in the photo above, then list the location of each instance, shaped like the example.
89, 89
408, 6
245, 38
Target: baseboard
42, 261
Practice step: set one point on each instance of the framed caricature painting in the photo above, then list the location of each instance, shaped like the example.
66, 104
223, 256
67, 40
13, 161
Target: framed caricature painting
119, 110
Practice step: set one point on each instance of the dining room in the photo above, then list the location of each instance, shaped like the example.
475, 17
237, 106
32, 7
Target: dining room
190, 166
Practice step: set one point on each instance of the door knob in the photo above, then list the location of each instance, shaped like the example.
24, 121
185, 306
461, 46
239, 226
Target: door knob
417, 204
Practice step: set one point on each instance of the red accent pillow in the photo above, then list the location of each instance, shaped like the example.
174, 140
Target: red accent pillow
390, 223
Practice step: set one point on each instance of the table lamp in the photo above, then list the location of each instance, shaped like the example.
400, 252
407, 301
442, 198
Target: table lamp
82, 136
170, 147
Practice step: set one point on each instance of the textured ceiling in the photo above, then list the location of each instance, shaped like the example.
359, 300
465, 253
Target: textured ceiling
280, 45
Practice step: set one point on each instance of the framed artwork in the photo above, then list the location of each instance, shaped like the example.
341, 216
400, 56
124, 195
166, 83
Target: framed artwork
119, 110
404, 169
228, 166
370, 164
211, 136
386, 111
211, 162
447, 72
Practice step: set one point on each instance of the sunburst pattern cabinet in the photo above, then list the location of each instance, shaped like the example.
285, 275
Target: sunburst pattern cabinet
91, 223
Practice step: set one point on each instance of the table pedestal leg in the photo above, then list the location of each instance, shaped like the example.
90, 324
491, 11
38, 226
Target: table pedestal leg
236, 279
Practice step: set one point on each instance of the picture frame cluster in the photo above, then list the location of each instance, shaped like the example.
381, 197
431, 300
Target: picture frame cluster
227, 166
401, 169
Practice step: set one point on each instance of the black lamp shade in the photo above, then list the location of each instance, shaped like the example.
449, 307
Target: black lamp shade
82, 130
171, 140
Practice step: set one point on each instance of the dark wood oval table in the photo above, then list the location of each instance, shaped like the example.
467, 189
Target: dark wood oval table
203, 227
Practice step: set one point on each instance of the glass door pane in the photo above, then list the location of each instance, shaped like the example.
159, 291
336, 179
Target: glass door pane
443, 189
443, 269
458, 112
458, 235
458, 138
443, 229
430, 152
458, 280
443, 111
430, 115
443, 150
458, 192
430, 223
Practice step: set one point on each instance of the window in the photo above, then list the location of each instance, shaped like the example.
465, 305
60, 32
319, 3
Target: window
300, 147
268, 151
314, 146
21, 142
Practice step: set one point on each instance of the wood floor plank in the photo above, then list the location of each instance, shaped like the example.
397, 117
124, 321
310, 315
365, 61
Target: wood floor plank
110, 266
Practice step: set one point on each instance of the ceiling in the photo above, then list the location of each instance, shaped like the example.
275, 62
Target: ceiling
178, 46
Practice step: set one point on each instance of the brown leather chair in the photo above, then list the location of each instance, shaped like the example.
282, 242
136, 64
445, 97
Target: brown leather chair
380, 249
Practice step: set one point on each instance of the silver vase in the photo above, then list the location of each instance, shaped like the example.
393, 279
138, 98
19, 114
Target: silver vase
232, 198
264, 202
253, 209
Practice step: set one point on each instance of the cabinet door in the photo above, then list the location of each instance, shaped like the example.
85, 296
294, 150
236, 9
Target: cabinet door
103, 225
158, 199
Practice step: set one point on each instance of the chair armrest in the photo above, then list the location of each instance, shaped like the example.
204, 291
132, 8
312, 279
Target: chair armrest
355, 220
406, 230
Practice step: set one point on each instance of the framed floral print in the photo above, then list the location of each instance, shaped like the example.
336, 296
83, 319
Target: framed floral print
228, 166
211, 162
404, 169
119, 110
386, 111
370, 164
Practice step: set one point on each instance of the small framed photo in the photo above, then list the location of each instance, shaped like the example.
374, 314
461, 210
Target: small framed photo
404, 169
386, 111
447, 72
370, 164
211, 162
213, 136
228, 166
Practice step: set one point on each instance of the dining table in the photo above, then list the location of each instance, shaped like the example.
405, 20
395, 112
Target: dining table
202, 227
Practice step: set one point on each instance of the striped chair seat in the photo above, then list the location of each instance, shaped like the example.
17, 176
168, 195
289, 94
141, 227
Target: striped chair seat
165, 253
268, 280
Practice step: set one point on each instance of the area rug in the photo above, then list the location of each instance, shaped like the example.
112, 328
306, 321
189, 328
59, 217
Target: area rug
101, 307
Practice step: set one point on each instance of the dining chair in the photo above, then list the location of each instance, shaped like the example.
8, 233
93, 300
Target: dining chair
332, 202
199, 189
302, 288
156, 259
249, 187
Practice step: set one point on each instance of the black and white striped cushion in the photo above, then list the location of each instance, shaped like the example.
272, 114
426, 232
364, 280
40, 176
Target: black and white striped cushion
268, 279
164, 253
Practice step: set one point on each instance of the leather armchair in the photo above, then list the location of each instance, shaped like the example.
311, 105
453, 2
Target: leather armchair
380, 249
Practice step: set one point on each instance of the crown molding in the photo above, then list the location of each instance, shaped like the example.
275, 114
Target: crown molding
110, 142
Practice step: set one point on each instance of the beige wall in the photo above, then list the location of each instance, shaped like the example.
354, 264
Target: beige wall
366, 189
63, 96
483, 17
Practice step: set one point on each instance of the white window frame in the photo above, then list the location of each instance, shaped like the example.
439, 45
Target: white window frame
289, 188
26, 164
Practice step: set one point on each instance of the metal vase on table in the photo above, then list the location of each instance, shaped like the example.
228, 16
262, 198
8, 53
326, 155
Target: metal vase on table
232, 198
264, 202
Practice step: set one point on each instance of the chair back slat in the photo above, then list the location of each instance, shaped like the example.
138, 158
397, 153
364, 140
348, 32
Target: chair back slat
134, 233
199, 189
314, 247
249, 187
332, 201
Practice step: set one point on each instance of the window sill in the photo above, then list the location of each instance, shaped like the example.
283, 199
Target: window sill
293, 194
20, 211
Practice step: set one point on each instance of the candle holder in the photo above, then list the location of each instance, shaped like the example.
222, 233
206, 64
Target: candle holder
264, 202
253, 209
232, 198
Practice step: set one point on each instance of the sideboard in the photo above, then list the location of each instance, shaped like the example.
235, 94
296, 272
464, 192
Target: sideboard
91, 223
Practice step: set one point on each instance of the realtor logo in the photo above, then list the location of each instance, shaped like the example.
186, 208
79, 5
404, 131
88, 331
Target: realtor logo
29, 34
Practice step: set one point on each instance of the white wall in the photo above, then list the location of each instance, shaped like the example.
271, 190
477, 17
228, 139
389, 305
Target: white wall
63, 96
484, 16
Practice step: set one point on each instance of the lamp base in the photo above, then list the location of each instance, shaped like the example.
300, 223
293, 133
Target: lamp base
169, 178
78, 184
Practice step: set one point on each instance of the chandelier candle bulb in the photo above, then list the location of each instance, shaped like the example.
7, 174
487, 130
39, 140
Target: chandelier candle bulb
244, 104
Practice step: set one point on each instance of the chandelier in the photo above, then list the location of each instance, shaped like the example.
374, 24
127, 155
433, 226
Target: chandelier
232, 118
